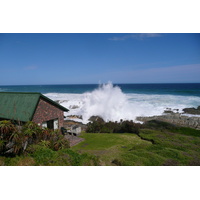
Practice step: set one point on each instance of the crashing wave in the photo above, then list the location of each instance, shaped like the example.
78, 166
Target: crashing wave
110, 103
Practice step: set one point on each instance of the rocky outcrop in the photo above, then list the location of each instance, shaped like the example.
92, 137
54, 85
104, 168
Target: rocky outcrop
96, 118
175, 118
193, 111
70, 123
74, 116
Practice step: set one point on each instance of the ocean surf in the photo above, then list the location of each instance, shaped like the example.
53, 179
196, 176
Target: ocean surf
112, 104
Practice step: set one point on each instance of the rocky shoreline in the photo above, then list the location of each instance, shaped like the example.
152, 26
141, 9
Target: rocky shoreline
188, 117
177, 118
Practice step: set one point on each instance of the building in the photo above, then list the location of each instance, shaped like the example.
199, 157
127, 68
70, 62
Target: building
27, 106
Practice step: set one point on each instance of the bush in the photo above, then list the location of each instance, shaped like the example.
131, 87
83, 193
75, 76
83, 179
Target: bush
113, 127
159, 125
6, 129
14, 141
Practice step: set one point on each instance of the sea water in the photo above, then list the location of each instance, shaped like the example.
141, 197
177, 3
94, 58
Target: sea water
117, 101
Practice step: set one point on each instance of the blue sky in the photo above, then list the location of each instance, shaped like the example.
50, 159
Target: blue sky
92, 58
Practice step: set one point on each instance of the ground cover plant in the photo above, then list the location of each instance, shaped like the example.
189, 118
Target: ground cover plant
156, 144
16, 138
109, 147
31, 145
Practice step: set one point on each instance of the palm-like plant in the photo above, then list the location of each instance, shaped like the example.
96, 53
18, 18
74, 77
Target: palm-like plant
31, 130
1, 145
45, 143
44, 134
58, 141
6, 129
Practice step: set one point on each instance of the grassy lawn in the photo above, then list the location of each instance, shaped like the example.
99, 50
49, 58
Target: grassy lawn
110, 147
170, 147
178, 146
157, 144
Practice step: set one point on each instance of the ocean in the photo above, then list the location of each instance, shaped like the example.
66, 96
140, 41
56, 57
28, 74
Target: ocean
117, 101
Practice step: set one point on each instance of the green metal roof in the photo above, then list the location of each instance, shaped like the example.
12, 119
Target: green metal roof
22, 105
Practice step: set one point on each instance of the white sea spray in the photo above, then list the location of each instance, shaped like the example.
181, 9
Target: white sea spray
110, 103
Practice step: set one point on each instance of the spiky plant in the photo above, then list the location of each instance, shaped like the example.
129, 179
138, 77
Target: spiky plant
31, 125
57, 141
20, 141
2, 144
45, 143
59, 144
45, 134
6, 129
32, 131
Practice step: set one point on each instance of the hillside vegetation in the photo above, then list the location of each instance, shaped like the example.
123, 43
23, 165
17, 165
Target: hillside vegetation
154, 143
30, 145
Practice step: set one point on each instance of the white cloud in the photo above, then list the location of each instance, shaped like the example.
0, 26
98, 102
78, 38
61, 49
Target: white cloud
138, 36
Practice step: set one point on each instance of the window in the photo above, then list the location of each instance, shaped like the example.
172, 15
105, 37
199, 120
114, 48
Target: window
55, 124
51, 124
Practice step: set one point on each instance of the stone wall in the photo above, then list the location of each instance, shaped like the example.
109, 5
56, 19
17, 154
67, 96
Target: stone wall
176, 118
45, 111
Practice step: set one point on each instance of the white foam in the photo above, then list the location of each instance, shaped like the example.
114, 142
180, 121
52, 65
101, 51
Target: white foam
111, 103
107, 102
2, 90
190, 115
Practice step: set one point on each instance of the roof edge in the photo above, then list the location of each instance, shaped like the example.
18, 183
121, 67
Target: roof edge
55, 103
22, 92
40, 95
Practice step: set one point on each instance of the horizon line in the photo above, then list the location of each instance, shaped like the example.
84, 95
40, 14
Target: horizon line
49, 84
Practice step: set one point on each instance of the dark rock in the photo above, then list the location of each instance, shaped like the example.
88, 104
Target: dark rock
168, 111
194, 111
69, 123
73, 107
96, 118
176, 119
75, 116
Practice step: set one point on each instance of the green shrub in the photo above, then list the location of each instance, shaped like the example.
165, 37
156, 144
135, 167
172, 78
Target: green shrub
159, 125
1, 145
14, 141
113, 127
6, 129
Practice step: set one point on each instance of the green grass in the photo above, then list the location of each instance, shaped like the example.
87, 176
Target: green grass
110, 147
177, 146
159, 145
44, 156
171, 146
